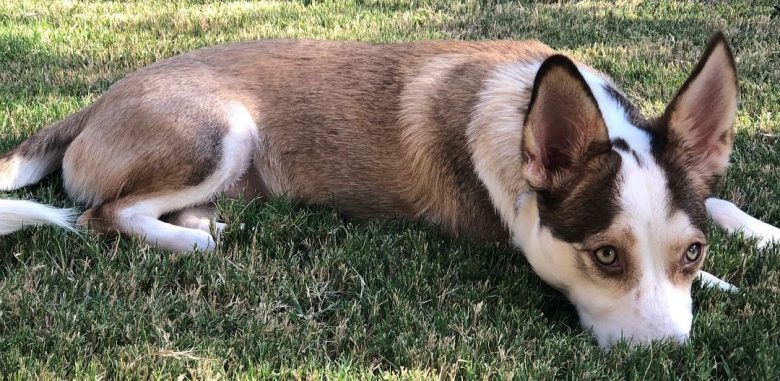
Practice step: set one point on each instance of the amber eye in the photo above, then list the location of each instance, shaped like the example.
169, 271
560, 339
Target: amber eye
693, 253
606, 255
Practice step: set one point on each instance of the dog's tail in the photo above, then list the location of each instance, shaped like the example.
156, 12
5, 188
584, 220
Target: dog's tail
16, 214
29, 163
41, 154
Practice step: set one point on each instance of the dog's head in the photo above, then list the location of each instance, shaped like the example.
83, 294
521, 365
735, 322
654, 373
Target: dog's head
620, 198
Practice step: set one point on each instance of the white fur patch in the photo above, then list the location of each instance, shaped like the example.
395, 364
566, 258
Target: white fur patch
709, 280
732, 219
615, 116
499, 109
15, 214
141, 218
18, 172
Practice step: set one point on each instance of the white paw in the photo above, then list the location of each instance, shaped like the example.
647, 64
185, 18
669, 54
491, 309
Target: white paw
767, 235
204, 242
708, 280
731, 218
219, 227
189, 241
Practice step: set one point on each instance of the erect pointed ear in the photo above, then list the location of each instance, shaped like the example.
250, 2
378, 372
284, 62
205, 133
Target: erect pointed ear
563, 125
700, 119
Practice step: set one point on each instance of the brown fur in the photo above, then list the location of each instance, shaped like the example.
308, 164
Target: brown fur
624, 242
362, 127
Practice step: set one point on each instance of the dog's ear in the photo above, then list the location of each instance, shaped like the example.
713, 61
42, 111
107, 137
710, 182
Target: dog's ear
563, 125
699, 121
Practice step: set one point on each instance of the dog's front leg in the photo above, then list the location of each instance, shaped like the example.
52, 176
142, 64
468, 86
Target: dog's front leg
732, 219
708, 280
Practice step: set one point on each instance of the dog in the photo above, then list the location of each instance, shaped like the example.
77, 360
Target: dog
488, 140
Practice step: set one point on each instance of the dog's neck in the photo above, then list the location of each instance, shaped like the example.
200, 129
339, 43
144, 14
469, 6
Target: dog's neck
495, 134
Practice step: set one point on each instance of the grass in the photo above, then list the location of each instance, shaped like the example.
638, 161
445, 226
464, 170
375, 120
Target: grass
306, 293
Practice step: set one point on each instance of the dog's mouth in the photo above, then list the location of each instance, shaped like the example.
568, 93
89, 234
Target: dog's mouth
640, 323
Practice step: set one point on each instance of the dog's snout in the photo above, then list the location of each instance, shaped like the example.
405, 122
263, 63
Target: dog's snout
659, 314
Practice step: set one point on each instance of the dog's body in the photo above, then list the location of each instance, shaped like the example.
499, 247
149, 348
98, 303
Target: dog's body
487, 140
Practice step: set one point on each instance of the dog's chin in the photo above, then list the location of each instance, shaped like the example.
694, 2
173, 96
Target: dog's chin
612, 329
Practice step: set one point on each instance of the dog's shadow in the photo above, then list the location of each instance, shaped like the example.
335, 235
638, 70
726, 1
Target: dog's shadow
418, 262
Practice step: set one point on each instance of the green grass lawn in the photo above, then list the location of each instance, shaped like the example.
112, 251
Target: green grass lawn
306, 293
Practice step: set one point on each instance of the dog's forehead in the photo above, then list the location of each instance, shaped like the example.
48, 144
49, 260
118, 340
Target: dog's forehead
653, 191
633, 182
646, 200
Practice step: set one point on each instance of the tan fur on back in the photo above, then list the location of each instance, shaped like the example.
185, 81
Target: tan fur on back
374, 130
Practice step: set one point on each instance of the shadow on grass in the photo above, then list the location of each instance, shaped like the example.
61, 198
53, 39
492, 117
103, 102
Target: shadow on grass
29, 69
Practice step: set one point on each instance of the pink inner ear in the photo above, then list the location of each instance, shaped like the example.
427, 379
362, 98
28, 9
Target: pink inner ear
562, 122
701, 117
535, 173
536, 159
567, 127
556, 140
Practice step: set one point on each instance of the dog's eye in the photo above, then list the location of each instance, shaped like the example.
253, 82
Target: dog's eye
693, 252
606, 255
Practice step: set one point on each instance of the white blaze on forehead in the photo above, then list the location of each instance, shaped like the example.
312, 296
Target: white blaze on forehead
615, 115
645, 196
656, 226
657, 307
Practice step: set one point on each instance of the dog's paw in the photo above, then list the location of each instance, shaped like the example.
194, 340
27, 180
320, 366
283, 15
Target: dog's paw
708, 281
770, 237
733, 220
217, 228
765, 234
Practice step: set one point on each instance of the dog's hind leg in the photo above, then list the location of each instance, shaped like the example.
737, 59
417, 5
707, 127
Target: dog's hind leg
157, 182
729, 217
140, 217
202, 217
189, 222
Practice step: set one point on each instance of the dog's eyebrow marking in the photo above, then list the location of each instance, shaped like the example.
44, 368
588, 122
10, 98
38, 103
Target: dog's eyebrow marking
633, 114
639, 161
621, 145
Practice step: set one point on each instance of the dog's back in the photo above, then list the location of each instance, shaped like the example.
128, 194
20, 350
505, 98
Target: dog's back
375, 130
372, 129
